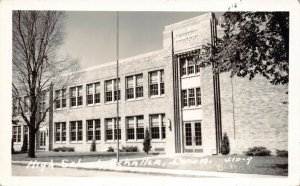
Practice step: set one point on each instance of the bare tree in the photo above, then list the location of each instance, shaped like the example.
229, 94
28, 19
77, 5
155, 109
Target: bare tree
37, 66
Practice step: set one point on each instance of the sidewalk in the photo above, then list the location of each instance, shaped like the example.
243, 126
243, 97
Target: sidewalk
112, 166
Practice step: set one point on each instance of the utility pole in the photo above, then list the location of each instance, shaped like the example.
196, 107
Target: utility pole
117, 86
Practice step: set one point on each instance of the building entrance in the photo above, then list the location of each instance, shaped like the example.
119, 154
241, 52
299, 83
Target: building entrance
192, 137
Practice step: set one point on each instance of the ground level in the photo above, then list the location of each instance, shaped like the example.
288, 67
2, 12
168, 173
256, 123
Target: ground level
267, 165
21, 170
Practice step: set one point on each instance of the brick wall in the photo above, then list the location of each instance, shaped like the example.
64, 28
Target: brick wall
256, 111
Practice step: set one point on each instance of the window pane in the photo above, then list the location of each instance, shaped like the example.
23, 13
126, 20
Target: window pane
97, 98
153, 77
73, 92
162, 76
139, 80
153, 89
108, 96
90, 89
79, 91
139, 92
97, 87
130, 122
154, 120
129, 93
198, 94
191, 97
129, 83
108, 85
184, 98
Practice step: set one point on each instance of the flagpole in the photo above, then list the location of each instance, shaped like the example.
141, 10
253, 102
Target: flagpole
118, 86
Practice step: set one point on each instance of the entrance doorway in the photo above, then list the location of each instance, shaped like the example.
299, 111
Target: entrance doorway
192, 137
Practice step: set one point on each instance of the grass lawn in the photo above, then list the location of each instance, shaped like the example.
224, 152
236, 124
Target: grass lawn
75, 156
267, 165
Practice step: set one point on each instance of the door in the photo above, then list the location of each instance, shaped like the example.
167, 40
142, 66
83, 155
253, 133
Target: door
192, 137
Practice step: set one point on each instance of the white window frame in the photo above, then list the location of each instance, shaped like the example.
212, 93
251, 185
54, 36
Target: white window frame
160, 126
159, 82
135, 121
114, 127
60, 95
17, 134
76, 96
113, 89
93, 93
60, 132
94, 130
135, 87
197, 104
185, 64
76, 131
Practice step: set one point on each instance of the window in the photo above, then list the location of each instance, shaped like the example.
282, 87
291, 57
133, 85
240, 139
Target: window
93, 129
26, 104
17, 134
76, 96
198, 96
158, 126
191, 97
112, 90
42, 138
75, 131
93, 93
154, 123
140, 132
157, 83
130, 128
111, 129
190, 66
134, 86
135, 127
60, 132
129, 88
61, 99
184, 98
163, 126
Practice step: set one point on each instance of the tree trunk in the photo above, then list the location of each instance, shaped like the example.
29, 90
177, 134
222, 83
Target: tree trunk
31, 150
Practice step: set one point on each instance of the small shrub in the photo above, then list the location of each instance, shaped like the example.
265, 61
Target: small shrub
130, 149
56, 149
25, 144
110, 149
225, 145
93, 146
258, 151
147, 142
281, 153
64, 149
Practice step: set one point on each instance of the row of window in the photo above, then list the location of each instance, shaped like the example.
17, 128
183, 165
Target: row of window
135, 129
134, 89
189, 66
191, 97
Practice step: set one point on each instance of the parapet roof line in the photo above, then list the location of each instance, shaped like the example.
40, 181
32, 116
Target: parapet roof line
122, 60
197, 18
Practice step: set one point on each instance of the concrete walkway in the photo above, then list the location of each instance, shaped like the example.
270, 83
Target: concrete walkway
113, 166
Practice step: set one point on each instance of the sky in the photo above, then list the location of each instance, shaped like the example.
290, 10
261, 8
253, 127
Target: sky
91, 36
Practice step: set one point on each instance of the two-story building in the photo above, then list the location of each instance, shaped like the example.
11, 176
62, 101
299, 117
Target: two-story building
185, 107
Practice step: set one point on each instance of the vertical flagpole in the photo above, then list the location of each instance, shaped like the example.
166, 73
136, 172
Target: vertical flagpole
118, 86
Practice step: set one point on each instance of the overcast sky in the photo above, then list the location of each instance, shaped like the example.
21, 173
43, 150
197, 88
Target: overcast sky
91, 36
